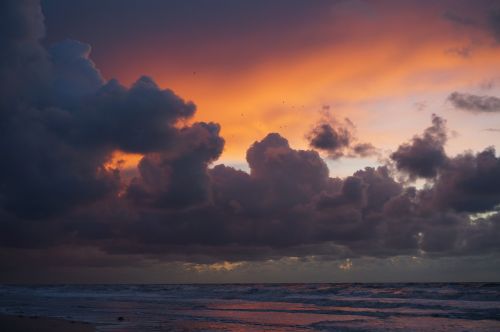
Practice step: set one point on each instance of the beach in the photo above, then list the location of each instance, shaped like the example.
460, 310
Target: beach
41, 324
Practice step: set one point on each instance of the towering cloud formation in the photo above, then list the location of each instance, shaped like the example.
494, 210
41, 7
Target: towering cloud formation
61, 122
56, 144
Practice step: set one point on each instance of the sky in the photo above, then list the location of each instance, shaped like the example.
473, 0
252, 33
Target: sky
249, 141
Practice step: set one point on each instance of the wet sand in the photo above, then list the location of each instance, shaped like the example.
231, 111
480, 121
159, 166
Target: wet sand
41, 324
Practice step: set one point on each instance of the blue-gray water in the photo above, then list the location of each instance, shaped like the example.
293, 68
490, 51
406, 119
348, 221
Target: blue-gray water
265, 307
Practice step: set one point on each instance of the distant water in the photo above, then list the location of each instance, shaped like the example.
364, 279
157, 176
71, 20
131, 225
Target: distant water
265, 307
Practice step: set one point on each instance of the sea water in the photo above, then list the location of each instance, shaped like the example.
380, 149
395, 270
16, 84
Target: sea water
264, 307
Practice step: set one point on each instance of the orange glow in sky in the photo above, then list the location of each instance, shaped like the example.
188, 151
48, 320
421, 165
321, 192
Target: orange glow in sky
369, 70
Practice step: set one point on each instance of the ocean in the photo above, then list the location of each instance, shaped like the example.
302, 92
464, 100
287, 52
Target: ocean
264, 307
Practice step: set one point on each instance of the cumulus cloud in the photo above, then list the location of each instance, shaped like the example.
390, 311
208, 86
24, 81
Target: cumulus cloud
473, 103
424, 154
338, 139
327, 137
56, 192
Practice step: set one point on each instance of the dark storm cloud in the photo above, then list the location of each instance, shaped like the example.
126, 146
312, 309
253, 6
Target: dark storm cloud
54, 145
40, 173
179, 177
23, 61
54, 156
469, 182
266, 214
337, 139
56, 191
140, 119
333, 140
423, 155
473, 103
274, 163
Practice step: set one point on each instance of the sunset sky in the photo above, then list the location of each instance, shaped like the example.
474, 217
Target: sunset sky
213, 141
271, 66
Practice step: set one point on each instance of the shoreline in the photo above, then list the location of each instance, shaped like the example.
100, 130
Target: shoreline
21, 323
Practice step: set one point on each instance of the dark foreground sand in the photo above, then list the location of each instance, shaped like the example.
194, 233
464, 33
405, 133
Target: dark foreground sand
41, 324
